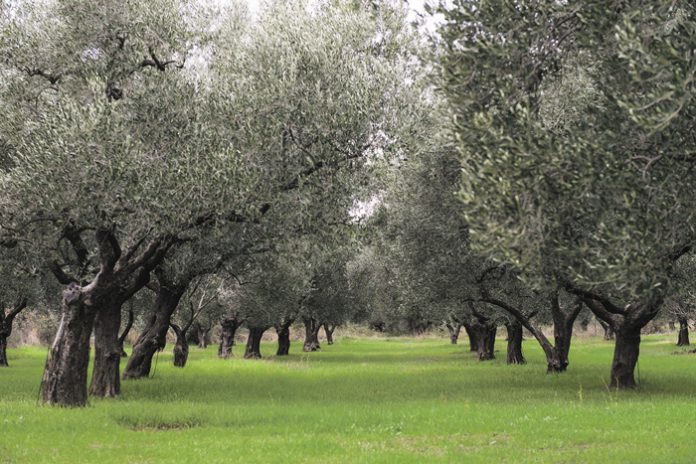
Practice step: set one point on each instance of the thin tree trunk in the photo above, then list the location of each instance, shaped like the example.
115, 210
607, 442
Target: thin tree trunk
126, 331
64, 379
514, 343
608, 330
253, 346
106, 381
203, 336
311, 342
153, 338
229, 329
683, 339
6, 322
626, 352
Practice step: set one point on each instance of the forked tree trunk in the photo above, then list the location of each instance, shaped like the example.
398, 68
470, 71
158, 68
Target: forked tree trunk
683, 339
453, 328
514, 343
311, 342
64, 379
229, 329
329, 331
106, 381
253, 346
181, 347
153, 338
472, 337
203, 336
608, 331
283, 331
626, 352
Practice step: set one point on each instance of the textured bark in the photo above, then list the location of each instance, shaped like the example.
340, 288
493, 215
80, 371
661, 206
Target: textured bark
153, 338
311, 342
453, 328
584, 324
107, 353
626, 351
229, 329
181, 347
126, 331
6, 322
472, 337
283, 331
514, 343
253, 346
64, 380
683, 339
329, 331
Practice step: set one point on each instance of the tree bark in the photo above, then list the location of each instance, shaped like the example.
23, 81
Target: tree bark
253, 346
6, 322
64, 380
453, 328
472, 337
203, 336
514, 343
683, 339
311, 342
229, 329
107, 353
154, 337
283, 331
485, 340
126, 331
181, 347
626, 352
329, 331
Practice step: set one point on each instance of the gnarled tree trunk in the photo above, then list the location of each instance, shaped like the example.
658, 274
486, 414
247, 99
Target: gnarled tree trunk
626, 352
311, 342
484, 334
181, 347
453, 328
229, 329
608, 330
64, 380
6, 321
514, 343
283, 331
253, 346
203, 333
683, 339
107, 353
153, 338
472, 337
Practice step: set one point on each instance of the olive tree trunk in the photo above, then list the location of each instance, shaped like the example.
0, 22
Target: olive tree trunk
181, 347
154, 336
514, 343
311, 342
107, 353
6, 322
329, 331
472, 337
683, 339
453, 328
229, 329
626, 351
253, 346
283, 331
126, 331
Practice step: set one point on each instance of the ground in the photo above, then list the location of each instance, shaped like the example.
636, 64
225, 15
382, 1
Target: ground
368, 401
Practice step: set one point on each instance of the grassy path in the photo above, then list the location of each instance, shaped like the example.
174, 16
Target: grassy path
367, 401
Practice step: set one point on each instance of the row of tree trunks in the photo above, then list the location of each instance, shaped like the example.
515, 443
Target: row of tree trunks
453, 328
683, 338
253, 346
312, 327
153, 338
229, 327
514, 343
6, 322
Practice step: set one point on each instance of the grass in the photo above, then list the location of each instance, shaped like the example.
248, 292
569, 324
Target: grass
366, 401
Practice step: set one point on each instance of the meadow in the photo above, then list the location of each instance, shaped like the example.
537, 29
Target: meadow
366, 400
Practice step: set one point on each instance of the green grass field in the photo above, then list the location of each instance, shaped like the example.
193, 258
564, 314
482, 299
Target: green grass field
365, 400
